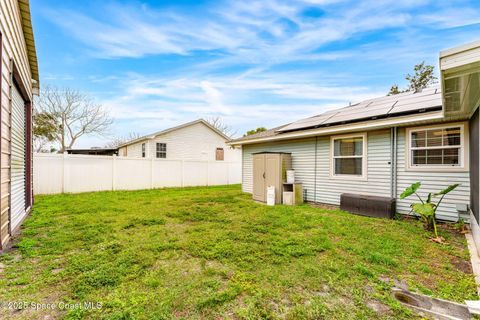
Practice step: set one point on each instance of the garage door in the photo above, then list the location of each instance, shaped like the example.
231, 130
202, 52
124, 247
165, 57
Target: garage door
18, 159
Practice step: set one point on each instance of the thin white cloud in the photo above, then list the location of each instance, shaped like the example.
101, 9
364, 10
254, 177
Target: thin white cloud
244, 48
256, 31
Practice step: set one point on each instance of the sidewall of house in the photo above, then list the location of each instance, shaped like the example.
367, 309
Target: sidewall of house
474, 177
431, 182
474, 160
195, 142
13, 53
323, 188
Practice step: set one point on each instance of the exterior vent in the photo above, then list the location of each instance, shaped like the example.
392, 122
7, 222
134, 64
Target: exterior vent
371, 206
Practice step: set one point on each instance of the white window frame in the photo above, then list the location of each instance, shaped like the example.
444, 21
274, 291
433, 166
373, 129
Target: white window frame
143, 150
157, 152
364, 175
463, 154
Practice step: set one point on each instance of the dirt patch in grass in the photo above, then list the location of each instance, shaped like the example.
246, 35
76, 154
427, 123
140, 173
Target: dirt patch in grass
462, 264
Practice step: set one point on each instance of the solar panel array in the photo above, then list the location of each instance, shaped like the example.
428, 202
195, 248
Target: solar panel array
379, 107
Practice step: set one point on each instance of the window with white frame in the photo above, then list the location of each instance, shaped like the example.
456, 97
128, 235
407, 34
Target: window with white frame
143, 150
348, 156
161, 150
437, 147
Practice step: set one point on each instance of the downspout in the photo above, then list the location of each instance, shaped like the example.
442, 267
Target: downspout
315, 172
393, 162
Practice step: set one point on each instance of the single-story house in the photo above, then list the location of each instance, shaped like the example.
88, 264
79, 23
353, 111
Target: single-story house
196, 140
380, 146
19, 82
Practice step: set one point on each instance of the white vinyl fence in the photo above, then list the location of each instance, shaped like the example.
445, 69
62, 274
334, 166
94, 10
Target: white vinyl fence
58, 173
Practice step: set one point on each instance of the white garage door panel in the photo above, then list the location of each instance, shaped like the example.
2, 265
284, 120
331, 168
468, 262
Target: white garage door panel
18, 159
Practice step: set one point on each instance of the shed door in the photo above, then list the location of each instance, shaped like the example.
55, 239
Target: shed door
17, 204
272, 174
259, 192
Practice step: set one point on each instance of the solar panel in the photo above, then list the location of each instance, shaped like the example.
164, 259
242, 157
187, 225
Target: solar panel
368, 112
382, 106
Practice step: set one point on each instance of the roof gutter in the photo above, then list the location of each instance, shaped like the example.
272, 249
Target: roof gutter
358, 126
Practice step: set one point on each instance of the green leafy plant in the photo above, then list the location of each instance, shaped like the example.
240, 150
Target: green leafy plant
427, 209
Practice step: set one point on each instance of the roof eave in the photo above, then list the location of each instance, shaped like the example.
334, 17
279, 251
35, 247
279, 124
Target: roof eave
357, 126
184, 125
27, 28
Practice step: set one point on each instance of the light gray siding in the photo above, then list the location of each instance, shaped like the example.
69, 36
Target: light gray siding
431, 182
378, 182
378, 172
303, 161
328, 190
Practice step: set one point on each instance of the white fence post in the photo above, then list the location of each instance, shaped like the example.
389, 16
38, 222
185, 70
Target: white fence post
228, 173
114, 171
64, 173
183, 173
151, 173
208, 171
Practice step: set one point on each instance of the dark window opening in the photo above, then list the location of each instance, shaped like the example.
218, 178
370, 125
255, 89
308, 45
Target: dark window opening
161, 150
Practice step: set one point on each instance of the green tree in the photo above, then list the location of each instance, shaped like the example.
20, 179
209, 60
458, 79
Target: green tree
259, 129
45, 129
395, 90
422, 77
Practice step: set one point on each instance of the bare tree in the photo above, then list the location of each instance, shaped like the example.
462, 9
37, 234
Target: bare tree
220, 125
76, 113
116, 141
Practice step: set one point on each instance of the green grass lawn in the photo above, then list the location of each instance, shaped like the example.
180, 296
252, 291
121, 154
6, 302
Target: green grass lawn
214, 253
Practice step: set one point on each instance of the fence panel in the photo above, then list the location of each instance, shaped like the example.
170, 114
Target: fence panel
131, 173
195, 173
86, 173
58, 173
167, 173
48, 174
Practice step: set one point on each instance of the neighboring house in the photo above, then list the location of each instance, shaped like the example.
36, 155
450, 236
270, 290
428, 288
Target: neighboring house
18, 83
197, 140
94, 151
381, 146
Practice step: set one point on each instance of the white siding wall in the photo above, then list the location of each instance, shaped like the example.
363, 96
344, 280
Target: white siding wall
378, 181
378, 173
195, 142
431, 182
135, 150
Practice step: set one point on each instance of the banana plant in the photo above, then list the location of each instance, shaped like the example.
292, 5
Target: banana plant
427, 208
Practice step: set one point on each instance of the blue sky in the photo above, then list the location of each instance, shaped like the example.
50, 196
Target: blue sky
155, 64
